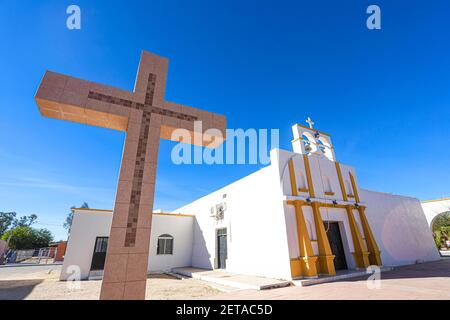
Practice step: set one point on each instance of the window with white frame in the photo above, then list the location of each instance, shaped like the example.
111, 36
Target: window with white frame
165, 244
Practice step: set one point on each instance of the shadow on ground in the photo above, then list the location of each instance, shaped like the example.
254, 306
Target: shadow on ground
434, 269
17, 289
161, 276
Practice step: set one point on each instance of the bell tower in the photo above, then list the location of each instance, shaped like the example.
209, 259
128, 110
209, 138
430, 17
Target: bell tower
308, 140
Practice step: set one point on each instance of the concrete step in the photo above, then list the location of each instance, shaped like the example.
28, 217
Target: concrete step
339, 276
228, 279
95, 275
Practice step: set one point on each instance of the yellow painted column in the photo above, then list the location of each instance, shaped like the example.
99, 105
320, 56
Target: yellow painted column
355, 190
292, 177
341, 181
372, 247
326, 257
308, 176
306, 264
360, 255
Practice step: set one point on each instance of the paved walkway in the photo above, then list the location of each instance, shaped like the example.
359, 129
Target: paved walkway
429, 280
22, 271
231, 279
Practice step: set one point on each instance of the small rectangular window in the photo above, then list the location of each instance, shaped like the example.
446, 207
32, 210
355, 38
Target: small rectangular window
101, 244
165, 245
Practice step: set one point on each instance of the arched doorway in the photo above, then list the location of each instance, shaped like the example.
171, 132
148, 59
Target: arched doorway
440, 226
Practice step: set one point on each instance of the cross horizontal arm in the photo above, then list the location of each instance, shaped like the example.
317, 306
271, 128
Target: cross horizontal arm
67, 98
209, 120
72, 99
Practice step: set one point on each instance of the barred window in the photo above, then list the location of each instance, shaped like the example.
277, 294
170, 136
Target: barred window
101, 244
165, 244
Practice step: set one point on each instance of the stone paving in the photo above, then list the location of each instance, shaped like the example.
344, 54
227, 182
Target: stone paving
429, 280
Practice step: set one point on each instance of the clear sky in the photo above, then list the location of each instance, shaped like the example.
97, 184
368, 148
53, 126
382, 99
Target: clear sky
383, 95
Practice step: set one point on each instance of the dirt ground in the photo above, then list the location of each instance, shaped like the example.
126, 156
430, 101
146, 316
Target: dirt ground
44, 284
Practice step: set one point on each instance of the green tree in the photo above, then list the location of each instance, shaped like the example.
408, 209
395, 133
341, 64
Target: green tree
26, 237
68, 223
43, 237
6, 220
441, 228
441, 220
25, 221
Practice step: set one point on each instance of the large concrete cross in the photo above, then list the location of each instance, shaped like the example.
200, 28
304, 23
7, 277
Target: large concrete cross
145, 117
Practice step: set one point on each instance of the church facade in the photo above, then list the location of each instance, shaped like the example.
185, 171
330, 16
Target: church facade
303, 215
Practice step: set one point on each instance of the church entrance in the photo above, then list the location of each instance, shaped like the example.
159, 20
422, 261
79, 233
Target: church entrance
335, 239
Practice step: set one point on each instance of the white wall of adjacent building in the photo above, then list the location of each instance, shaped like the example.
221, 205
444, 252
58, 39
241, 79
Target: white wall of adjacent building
181, 228
87, 225
435, 207
400, 229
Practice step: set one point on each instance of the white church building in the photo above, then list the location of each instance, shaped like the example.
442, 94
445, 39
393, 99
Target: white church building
303, 215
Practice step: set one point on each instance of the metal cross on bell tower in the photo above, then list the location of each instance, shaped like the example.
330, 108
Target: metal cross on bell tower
310, 122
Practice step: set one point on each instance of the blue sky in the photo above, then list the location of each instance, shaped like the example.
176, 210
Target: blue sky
383, 95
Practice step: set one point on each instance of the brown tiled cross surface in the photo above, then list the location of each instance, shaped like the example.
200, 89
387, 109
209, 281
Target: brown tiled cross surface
146, 118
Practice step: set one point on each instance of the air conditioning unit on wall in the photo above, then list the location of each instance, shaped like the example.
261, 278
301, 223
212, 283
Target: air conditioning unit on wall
218, 211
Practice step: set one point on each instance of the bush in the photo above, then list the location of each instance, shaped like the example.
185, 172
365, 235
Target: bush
25, 237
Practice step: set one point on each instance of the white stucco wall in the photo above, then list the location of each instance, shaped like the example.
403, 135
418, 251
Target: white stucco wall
87, 225
181, 228
256, 229
435, 207
400, 228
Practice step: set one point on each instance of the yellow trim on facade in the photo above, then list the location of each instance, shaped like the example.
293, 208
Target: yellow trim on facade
372, 247
326, 257
360, 254
341, 181
355, 189
89, 209
174, 214
306, 264
329, 193
296, 268
292, 177
303, 189
154, 213
308, 176
435, 200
